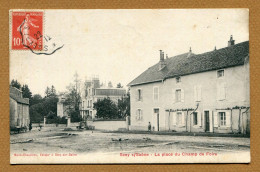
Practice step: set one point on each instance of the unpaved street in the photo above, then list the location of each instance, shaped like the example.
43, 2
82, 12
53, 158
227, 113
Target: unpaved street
55, 140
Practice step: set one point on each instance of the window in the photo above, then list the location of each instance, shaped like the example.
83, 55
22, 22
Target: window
139, 95
197, 93
156, 110
155, 93
222, 116
139, 115
221, 91
178, 79
90, 103
178, 95
179, 118
220, 73
195, 118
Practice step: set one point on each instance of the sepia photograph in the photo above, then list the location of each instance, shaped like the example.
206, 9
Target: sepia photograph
122, 86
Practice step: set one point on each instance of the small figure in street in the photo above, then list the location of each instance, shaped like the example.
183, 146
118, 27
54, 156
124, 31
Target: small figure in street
30, 126
149, 126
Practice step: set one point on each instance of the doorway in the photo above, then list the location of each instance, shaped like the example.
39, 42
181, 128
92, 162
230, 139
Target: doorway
206, 117
156, 119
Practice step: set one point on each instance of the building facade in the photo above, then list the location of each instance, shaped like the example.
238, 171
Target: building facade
62, 109
94, 92
19, 109
207, 92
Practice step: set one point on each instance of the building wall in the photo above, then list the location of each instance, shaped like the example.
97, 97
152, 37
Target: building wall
146, 105
19, 114
26, 117
13, 113
107, 125
233, 83
60, 109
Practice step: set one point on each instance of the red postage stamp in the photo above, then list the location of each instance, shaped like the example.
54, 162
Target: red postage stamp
27, 30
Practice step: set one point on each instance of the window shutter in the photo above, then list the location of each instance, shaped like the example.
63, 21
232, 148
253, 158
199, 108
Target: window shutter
174, 118
228, 119
141, 95
141, 115
215, 119
182, 95
183, 119
136, 115
199, 118
223, 91
199, 93
174, 96
195, 93
218, 92
157, 93
136, 95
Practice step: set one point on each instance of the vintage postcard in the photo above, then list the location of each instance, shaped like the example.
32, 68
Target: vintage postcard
129, 86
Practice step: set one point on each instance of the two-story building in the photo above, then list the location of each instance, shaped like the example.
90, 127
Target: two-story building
206, 92
94, 92
19, 109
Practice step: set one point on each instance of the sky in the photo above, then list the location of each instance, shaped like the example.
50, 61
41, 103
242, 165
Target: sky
118, 45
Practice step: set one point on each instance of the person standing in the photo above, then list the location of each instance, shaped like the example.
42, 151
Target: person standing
149, 126
30, 126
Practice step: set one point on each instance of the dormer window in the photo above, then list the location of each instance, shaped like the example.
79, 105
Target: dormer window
178, 79
220, 73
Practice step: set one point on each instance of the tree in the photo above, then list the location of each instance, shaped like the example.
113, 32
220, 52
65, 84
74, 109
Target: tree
124, 106
35, 111
26, 92
50, 91
36, 98
15, 83
46, 107
106, 109
25, 89
119, 85
53, 91
110, 85
47, 92
72, 99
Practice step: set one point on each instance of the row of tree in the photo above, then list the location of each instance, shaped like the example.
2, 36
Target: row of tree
40, 106
108, 109
47, 106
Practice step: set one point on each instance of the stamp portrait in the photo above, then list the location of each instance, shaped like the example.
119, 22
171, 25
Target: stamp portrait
27, 30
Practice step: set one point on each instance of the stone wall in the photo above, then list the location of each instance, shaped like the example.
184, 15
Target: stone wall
107, 125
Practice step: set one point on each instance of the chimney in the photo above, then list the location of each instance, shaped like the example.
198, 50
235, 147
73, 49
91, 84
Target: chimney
190, 53
161, 55
231, 41
167, 56
162, 63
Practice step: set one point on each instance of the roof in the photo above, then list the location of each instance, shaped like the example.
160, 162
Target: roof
187, 63
17, 96
110, 91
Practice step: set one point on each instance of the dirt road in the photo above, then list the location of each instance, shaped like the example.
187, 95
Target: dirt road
55, 140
